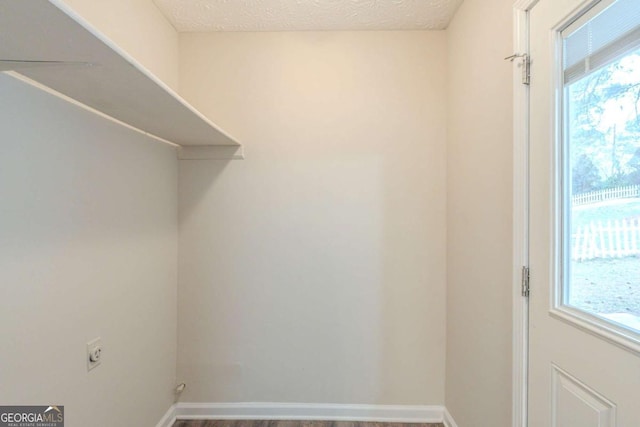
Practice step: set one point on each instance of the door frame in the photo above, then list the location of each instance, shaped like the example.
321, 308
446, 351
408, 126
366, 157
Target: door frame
520, 313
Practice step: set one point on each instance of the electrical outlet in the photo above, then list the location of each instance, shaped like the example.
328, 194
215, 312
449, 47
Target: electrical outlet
94, 353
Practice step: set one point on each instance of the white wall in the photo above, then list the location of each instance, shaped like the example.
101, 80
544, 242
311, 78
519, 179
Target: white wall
88, 248
479, 171
314, 270
138, 27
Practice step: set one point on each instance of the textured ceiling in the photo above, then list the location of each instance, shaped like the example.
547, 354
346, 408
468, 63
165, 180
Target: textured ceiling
307, 15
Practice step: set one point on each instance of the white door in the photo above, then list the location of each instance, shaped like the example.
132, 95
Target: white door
584, 357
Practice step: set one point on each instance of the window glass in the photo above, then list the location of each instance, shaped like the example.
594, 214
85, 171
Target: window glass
601, 189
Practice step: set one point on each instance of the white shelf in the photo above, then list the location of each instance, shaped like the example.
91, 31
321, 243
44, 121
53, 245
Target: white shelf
97, 73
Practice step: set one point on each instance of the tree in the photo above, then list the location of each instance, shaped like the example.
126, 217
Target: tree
633, 177
604, 125
584, 176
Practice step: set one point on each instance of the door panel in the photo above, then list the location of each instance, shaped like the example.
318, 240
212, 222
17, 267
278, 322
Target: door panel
580, 375
575, 403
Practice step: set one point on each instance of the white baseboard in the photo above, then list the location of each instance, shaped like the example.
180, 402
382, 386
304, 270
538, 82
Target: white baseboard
448, 419
310, 411
169, 418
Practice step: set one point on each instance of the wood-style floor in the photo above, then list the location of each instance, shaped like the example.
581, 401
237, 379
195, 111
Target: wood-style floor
274, 423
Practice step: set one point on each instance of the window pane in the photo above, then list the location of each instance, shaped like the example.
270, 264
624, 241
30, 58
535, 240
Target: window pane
602, 201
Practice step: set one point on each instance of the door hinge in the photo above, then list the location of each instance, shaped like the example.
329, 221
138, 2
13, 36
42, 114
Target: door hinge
525, 64
525, 281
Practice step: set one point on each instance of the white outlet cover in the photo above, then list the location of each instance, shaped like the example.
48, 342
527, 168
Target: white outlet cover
94, 348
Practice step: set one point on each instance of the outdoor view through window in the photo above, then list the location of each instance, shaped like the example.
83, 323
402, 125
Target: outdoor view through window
602, 168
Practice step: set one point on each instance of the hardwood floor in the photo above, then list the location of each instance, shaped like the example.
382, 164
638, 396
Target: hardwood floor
274, 423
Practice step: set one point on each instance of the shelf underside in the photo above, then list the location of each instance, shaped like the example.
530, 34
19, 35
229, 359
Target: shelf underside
91, 70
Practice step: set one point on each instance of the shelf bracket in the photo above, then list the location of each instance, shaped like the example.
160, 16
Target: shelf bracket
211, 152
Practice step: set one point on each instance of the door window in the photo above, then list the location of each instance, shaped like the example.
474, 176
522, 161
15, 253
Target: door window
600, 168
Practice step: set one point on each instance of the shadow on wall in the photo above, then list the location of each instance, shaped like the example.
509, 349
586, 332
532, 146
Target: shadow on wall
203, 177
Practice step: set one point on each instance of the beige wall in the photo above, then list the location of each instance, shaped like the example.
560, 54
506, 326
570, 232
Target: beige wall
88, 225
478, 382
377, 180
314, 270
138, 27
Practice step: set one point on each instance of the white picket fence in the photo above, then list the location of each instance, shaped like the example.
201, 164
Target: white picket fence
608, 194
612, 239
